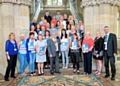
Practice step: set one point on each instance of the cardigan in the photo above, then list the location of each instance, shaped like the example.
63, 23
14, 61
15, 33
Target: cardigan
11, 48
28, 51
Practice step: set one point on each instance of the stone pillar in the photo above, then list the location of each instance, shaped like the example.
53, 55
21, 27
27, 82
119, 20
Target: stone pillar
14, 17
99, 13
118, 29
1, 52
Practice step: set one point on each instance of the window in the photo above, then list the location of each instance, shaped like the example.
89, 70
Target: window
54, 2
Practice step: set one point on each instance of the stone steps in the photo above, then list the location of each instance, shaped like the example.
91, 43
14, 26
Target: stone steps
52, 13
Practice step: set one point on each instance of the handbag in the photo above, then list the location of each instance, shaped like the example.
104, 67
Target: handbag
100, 54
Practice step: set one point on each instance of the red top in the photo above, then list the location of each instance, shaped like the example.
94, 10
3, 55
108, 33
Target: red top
54, 22
89, 41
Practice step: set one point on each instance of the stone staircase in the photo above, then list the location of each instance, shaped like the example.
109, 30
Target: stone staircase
52, 13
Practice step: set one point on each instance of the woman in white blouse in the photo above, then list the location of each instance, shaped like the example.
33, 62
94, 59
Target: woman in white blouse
62, 21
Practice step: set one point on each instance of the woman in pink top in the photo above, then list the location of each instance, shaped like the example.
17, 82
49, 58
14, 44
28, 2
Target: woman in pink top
87, 47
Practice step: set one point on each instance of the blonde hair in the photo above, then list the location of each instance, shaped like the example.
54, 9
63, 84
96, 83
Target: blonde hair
22, 35
88, 32
9, 37
98, 32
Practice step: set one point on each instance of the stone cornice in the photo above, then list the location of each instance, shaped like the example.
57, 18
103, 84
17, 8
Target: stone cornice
98, 2
23, 2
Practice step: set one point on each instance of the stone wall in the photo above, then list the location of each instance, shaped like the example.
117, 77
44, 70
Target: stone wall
14, 17
99, 13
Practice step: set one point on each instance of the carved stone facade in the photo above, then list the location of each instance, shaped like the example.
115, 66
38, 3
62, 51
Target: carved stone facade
20, 2
98, 2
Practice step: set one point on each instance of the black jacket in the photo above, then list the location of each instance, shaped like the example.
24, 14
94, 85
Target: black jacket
98, 44
48, 18
111, 44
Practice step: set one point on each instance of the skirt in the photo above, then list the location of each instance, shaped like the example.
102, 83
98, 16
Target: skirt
99, 58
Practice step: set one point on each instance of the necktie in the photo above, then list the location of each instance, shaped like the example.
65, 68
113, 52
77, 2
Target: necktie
106, 38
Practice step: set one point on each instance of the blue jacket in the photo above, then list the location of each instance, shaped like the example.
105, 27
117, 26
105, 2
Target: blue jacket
11, 48
28, 52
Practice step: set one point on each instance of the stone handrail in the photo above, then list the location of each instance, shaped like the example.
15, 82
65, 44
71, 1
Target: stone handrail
37, 10
73, 10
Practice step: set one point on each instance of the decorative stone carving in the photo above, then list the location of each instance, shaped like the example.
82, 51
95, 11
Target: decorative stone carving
98, 2
24, 2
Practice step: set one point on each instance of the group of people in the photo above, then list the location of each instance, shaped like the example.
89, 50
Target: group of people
60, 36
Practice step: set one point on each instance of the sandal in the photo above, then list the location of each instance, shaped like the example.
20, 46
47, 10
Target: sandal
74, 71
78, 72
24, 74
31, 74
96, 72
34, 73
99, 73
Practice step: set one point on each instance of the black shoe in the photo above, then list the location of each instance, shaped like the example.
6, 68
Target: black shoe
78, 72
13, 77
42, 73
52, 73
6, 79
39, 74
106, 76
58, 72
113, 78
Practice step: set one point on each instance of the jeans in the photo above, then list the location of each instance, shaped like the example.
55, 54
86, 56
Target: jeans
56, 60
11, 66
32, 62
23, 62
65, 55
88, 62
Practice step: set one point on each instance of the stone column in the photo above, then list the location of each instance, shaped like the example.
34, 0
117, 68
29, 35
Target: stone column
1, 52
14, 17
99, 13
118, 27
6, 27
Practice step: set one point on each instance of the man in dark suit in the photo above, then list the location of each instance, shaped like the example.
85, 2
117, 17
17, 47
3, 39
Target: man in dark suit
48, 17
53, 45
110, 52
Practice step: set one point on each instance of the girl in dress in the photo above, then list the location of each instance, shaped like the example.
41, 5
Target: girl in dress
41, 54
